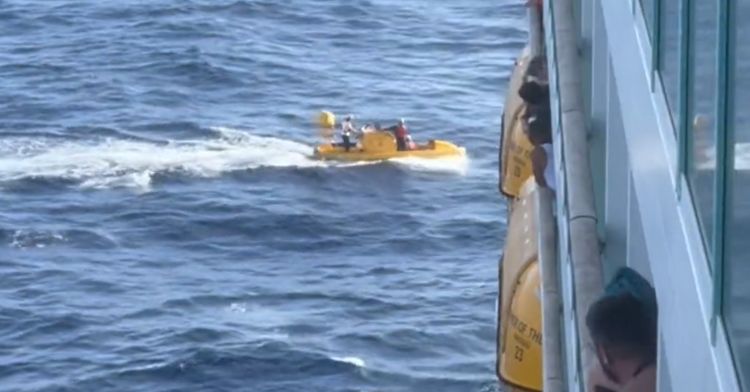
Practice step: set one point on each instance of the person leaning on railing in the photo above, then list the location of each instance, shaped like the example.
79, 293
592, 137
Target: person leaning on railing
623, 328
537, 121
539, 132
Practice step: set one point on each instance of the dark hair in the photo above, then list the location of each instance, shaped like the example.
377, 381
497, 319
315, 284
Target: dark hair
624, 325
537, 66
534, 93
540, 122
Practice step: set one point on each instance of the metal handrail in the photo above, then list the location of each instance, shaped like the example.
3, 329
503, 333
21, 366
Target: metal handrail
575, 196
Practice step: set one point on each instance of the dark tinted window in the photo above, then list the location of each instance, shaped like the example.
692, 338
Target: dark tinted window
737, 262
669, 54
702, 110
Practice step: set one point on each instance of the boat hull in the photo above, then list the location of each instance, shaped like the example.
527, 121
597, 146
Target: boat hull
432, 150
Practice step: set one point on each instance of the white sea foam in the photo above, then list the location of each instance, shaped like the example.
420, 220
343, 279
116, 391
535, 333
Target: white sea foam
236, 307
108, 163
453, 165
25, 239
104, 163
356, 361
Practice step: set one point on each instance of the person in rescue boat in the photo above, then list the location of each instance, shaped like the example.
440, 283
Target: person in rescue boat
410, 145
367, 128
347, 129
401, 133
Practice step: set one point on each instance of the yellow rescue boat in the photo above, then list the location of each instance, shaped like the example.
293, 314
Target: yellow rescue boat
381, 145
377, 145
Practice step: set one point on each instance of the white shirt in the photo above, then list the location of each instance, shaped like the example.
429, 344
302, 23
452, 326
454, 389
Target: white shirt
347, 127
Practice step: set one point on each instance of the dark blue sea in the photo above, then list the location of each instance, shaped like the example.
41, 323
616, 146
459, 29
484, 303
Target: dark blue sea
163, 226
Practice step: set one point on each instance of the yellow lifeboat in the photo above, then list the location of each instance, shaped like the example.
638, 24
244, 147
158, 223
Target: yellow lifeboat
515, 147
519, 351
381, 145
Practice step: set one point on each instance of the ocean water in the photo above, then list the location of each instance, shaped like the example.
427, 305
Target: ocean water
164, 228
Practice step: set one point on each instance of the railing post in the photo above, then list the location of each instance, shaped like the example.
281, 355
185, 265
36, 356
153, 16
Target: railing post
554, 380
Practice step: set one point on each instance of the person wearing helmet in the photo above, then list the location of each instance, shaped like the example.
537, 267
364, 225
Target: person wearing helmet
347, 128
401, 133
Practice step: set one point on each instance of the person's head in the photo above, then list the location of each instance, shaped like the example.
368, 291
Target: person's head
349, 117
623, 326
538, 125
401, 121
537, 68
534, 93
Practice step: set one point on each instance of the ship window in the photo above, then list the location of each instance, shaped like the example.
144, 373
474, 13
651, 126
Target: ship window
736, 267
669, 53
702, 110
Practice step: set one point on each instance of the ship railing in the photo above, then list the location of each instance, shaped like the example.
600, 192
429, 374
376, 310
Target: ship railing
572, 275
552, 365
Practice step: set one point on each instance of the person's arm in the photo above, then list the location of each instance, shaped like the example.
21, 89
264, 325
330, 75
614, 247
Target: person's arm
538, 163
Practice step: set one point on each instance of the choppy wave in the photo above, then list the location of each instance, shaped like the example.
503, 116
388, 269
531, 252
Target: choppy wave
143, 249
356, 361
42, 238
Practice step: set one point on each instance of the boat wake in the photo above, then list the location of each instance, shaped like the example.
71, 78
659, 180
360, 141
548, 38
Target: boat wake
108, 162
112, 162
450, 165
